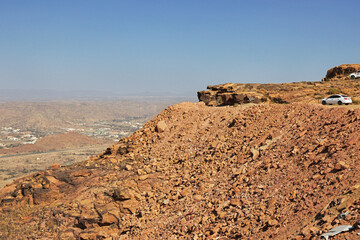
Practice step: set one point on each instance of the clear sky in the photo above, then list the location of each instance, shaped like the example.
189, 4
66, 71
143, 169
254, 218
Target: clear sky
127, 46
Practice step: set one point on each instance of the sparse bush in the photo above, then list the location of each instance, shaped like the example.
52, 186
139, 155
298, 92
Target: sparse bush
218, 101
264, 99
334, 91
236, 104
355, 101
279, 100
9, 222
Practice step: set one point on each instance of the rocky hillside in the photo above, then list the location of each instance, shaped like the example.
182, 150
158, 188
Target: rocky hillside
196, 172
335, 82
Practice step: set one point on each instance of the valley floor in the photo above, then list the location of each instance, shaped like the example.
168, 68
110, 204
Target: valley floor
15, 166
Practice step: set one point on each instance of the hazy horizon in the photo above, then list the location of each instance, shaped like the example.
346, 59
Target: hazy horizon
176, 47
90, 95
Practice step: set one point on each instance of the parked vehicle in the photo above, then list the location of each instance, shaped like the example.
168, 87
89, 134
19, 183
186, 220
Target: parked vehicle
355, 75
336, 99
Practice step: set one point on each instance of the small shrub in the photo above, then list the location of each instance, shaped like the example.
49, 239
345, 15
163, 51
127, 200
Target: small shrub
278, 100
334, 91
9, 222
219, 101
264, 99
236, 104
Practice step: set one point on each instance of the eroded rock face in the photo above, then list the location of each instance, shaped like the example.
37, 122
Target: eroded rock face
251, 172
230, 94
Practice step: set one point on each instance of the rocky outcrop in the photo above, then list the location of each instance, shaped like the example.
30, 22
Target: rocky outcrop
230, 94
341, 71
335, 82
197, 172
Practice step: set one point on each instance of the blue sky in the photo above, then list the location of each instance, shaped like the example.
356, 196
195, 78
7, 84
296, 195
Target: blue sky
128, 46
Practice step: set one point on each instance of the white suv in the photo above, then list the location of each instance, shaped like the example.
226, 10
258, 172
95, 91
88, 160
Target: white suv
336, 99
355, 75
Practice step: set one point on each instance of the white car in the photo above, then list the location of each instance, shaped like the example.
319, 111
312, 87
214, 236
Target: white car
336, 99
355, 75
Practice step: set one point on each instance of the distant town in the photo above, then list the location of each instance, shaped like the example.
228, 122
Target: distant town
114, 130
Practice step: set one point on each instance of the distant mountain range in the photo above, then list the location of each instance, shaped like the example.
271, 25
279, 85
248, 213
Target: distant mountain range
46, 116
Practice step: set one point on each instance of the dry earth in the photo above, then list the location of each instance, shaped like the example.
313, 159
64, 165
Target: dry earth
197, 172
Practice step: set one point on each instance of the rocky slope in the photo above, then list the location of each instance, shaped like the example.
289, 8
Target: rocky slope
335, 82
197, 172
